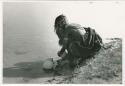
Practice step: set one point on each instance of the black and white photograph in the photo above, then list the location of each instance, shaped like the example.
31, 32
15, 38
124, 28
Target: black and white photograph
63, 42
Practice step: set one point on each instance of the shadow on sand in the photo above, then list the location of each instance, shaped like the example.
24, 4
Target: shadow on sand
26, 69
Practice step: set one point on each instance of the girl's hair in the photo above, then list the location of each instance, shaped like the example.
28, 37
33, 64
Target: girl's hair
60, 22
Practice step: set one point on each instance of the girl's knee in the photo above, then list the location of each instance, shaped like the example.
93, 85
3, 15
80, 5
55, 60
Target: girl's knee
73, 48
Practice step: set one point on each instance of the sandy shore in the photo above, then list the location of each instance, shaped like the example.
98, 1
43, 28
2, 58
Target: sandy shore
22, 69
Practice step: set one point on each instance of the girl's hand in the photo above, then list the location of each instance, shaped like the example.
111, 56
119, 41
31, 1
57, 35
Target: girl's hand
59, 53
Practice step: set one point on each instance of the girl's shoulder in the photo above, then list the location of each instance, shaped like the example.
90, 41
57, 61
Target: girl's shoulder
75, 29
73, 26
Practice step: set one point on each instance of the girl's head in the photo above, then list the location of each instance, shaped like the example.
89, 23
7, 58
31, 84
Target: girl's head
60, 23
